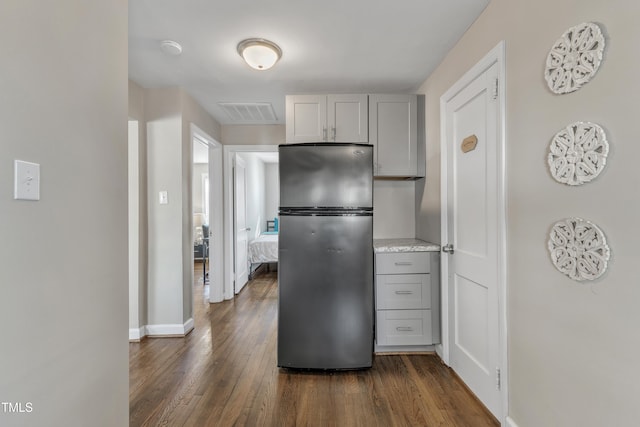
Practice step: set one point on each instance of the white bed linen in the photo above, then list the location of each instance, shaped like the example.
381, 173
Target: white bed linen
264, 249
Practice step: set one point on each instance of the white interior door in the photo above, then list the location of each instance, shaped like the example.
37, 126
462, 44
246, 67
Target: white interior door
473, 230
241, 230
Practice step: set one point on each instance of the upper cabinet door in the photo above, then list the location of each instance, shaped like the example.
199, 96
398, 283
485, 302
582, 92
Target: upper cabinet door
306, 118
327, 118
347, 118
393, 132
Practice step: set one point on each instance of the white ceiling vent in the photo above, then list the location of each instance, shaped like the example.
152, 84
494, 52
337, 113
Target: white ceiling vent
251, 112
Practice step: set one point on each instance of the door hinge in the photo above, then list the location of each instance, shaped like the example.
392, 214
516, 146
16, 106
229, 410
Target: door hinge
498, 379
494, 95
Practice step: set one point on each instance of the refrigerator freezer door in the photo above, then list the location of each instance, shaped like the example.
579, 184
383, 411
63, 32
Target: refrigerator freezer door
326, 175
325, 312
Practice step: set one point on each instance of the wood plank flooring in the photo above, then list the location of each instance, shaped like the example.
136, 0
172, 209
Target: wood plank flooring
224, 374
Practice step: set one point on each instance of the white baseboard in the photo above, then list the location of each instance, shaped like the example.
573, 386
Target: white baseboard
175, 330
136, 334
511, 423
170, 330
188, 326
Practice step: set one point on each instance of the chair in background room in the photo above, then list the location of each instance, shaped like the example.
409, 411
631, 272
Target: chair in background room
201, 242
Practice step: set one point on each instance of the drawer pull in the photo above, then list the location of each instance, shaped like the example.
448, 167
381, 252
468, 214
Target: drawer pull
404, 329
404, 292
403, 263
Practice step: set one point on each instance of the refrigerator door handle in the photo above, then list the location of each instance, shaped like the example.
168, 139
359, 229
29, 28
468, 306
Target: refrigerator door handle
325, 212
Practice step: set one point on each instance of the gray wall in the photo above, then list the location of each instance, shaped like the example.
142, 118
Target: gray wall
164, 156
252, 134
394, 211
63, 259
572, 346
168, 115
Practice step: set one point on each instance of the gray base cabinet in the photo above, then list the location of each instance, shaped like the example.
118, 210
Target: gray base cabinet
407, 300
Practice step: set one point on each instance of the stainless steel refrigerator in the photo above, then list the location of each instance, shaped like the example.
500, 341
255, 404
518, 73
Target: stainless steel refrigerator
325, 267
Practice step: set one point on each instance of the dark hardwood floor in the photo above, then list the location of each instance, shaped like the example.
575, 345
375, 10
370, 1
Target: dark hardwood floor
224, 374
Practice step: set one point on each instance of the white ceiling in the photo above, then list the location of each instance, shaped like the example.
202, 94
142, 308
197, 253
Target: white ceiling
330, 46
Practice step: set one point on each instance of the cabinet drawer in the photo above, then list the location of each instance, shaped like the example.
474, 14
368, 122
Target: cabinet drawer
403, 327
403, 291
402, 263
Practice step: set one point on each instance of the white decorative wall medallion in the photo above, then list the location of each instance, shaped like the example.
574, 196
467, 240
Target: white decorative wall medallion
574, 58
578, 153
578, 249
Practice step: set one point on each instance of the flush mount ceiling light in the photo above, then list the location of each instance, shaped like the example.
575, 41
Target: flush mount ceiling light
260, 54
170, 47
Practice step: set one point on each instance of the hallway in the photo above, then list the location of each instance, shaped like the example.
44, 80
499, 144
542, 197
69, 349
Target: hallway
224, 373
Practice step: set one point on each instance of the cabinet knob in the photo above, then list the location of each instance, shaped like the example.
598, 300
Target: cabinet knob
404, 329
324, 133
333, 133
404, 292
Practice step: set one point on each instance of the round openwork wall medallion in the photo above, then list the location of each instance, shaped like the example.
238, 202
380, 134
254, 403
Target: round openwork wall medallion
578, 249
578, 153
574, 58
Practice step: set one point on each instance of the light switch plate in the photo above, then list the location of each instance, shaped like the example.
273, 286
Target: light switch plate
163, 197
26, 180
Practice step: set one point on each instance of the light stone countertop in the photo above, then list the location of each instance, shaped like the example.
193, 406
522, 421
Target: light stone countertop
403, 245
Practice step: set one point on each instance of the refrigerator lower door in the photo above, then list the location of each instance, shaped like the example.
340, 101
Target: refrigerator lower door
325, 311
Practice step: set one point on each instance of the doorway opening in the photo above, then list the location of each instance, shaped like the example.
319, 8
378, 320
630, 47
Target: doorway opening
251, 196
207, 214
200, 210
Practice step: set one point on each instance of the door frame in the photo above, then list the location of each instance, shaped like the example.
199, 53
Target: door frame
238, 161
136, 327
215, 212
227, 290
495, 56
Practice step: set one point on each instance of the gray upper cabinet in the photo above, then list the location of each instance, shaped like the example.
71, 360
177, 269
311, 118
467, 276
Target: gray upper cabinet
329, 118
393, 130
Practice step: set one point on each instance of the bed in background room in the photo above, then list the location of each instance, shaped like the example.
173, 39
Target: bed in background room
264, 249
